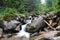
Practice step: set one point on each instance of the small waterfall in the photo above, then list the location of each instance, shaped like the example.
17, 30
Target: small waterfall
22, 32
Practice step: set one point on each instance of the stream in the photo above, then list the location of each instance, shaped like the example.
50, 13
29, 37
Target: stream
22, 32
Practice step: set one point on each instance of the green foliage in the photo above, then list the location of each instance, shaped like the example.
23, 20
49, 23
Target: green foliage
50, 5
21, 8
20, 5
10, 3
26, 6
8, 13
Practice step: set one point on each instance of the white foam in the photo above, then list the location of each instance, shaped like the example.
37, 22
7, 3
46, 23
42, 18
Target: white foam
23, 33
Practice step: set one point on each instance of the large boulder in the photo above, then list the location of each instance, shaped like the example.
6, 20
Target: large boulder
10, 25
36, 25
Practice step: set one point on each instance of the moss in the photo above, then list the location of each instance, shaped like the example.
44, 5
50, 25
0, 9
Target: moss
31, 27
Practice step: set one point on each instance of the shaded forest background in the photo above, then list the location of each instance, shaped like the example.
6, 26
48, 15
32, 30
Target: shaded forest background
25, 7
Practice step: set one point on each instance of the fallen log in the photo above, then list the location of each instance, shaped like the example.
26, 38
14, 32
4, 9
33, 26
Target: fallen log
48, 35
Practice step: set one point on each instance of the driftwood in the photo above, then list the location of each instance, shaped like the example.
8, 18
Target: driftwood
49, 25
48, 35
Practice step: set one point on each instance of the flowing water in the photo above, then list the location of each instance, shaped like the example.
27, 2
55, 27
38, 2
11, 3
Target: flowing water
22, 32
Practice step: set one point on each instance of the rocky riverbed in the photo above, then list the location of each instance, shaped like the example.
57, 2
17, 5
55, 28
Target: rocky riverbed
40, 27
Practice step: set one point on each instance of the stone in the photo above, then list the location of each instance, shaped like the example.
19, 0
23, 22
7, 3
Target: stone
36, 25
10, 25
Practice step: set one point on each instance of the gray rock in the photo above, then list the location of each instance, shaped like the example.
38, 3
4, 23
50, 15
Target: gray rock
36, 25
11, 24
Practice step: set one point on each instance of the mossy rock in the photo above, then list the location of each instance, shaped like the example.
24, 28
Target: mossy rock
30, 27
